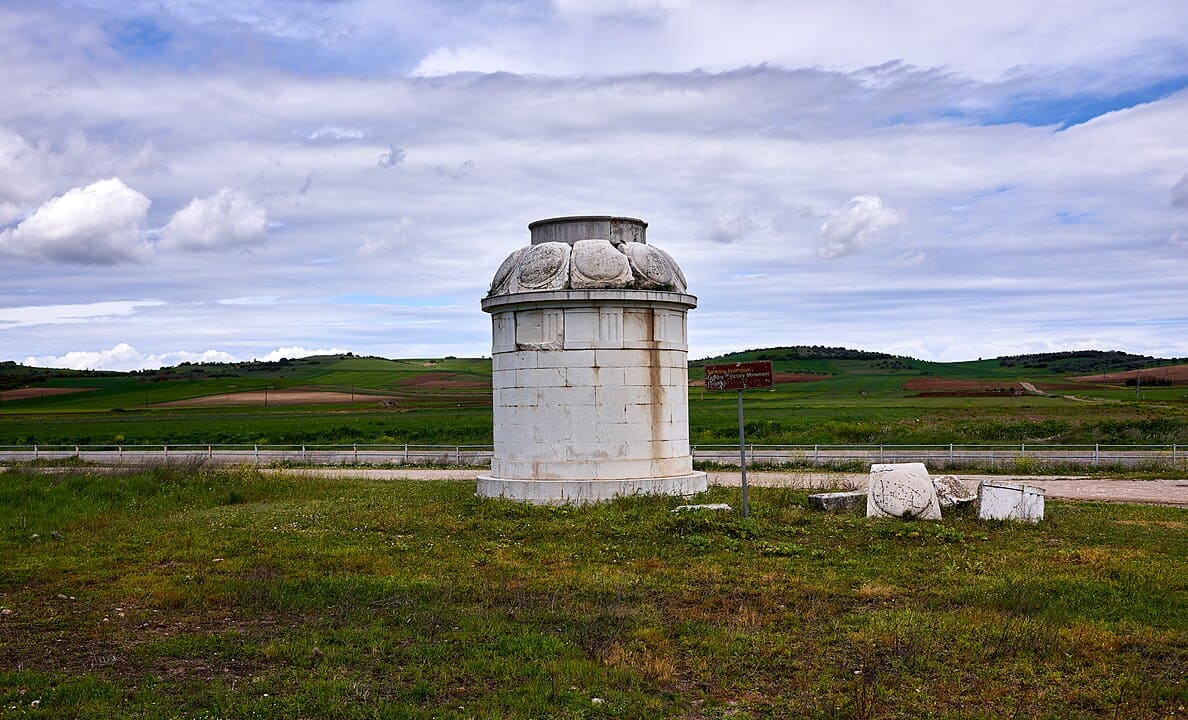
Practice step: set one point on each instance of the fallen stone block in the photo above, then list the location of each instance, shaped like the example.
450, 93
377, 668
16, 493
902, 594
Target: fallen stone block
951, 492
1010, 501
901, 490
837, 501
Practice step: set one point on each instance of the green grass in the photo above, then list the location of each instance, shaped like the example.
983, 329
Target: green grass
859, 401
186, 592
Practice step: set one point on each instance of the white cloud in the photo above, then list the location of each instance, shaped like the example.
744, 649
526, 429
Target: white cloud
68, 314
850, 229
293, 353
124, 357
100, 224
223, 221
332, 133
392, 240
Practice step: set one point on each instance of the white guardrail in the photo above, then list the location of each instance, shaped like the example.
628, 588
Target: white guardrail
727, 455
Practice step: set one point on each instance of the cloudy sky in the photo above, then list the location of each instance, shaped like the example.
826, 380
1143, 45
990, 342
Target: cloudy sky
222, 179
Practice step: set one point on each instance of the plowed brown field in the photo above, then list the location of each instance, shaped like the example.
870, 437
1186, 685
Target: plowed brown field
32, 392
1178, 374
445, 381
936, 387
278, 397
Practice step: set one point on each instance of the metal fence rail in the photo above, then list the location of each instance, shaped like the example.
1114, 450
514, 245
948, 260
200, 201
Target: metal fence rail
726, 455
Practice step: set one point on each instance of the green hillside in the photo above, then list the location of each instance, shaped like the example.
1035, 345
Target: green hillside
826, 395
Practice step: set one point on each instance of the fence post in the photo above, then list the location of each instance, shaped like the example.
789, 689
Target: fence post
302, 453
166, 452
121, 447
458, 454
950, 452
256, 451
1173, 452
880, 453
1022, 449
356, 446
75, 452
35, 453
406, 453
816, 454
209, 452
1096, 453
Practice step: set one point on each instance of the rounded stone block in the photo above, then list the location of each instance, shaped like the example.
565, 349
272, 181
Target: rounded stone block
597, 264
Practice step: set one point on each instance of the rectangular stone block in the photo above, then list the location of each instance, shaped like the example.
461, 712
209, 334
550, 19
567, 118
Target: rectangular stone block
568, 396
669, 467
614, 469
581, 326
838, 501
522, 396
541, 378
565, 359
622, 358
637, 324
517, 360
610, 324
503, 332
1010, 501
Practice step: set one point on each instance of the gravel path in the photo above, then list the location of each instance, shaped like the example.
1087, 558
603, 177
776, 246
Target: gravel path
1150, 492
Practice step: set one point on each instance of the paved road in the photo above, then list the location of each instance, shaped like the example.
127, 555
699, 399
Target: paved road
1154, 492
1151, 492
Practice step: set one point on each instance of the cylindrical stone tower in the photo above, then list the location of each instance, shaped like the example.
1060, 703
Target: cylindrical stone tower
589, 366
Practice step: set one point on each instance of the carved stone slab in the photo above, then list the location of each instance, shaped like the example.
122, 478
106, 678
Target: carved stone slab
651, 267
901, 490
1010, 501
597, 264
542, 267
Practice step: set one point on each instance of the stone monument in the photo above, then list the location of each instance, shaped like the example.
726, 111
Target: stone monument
589, 366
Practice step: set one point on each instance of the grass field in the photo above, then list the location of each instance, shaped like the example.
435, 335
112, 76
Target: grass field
188, 593
447, 401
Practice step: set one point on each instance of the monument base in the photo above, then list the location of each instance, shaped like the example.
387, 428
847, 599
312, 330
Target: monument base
581, 492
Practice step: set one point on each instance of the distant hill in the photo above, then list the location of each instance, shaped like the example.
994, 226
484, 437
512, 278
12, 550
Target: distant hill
798, 352
14, 375
1085, 361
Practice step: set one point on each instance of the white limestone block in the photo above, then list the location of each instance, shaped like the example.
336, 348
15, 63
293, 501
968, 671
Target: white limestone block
1010, 501
505, 275
652, 268
901, 490
597, 264
542, 267
951, 492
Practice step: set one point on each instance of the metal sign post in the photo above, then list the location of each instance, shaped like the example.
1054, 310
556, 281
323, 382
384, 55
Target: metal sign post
742, 457
740, 376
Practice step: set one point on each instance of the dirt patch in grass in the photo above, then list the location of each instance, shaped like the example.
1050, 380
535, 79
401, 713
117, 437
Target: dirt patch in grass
953, 387
445, 381
277, 397
1176, 374
32, 392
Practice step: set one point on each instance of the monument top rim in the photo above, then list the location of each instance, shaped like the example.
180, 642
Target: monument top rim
590, 296
584, 218
570, 229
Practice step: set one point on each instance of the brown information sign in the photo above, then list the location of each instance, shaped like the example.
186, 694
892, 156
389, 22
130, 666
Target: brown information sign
738, 376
